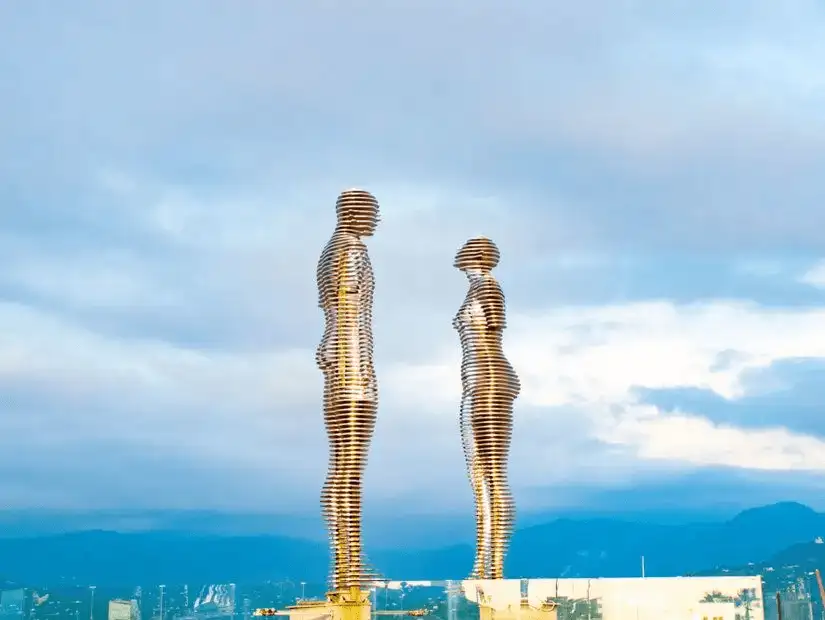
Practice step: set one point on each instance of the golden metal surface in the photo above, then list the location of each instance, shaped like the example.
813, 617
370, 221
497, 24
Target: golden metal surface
490, 386
349, 604
345, 290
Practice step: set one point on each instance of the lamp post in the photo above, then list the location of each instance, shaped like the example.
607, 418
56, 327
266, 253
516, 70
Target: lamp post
92, 603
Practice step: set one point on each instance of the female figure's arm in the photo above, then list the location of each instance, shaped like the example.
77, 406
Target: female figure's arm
492, 302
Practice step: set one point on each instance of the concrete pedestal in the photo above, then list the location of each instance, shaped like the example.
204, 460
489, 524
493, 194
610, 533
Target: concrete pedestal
523, 612
350, 604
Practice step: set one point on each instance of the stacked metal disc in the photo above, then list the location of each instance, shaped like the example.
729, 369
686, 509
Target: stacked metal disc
490, 385
345, 355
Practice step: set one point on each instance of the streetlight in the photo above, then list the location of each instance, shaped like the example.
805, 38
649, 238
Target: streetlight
160, 610
92, 603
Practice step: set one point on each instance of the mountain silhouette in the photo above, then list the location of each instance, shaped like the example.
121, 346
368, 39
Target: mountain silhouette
614, 548
785, 569
562, 548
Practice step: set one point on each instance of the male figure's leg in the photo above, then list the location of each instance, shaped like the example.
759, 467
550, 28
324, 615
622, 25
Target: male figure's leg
357, 425
331, 495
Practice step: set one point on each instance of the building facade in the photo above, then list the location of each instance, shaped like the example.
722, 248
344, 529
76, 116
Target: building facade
120, 609
643, 598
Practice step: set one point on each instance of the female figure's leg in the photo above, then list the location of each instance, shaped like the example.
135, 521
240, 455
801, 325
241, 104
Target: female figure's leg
493, 430
503, 512
476, 476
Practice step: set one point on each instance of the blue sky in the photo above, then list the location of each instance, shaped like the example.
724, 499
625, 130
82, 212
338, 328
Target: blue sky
651, 172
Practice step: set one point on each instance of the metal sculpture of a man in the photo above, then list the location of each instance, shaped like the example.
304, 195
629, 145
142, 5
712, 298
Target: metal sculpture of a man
345, 289
490, 386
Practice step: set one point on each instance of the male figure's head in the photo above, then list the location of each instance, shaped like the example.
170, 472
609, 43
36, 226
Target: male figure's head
357, 212
477, 254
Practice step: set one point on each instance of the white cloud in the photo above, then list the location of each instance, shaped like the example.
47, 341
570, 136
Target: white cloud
815, 276
579, 366
174, 290
167, 396
694, 440
594, 359
645, 80
242, 263
757, 268
100, 281
538, 100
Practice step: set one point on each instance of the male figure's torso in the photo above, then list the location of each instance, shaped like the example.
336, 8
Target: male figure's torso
345, 286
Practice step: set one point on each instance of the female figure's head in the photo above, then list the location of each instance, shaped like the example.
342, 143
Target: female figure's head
477, 255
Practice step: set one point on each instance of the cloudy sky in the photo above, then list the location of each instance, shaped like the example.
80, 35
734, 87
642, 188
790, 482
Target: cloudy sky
651, 171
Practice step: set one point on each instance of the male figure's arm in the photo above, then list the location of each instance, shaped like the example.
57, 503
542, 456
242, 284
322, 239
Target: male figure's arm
348, 302
348, 278
366, 283
326, 301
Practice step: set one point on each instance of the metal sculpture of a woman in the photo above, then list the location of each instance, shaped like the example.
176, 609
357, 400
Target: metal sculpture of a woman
490, 386
345, 291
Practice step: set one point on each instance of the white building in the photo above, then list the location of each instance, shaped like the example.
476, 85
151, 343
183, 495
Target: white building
641, 598
123, 610
715, 611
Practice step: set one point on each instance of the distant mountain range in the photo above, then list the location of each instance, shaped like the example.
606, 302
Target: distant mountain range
563, 548
783, 569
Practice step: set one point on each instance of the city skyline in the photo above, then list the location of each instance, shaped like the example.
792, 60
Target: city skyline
651, 175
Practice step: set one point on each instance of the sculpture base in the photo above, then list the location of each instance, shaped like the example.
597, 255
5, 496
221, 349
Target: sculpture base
523, 612
350, 604
345, 604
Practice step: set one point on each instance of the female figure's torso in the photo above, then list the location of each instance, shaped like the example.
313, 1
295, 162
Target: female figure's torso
484, 365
